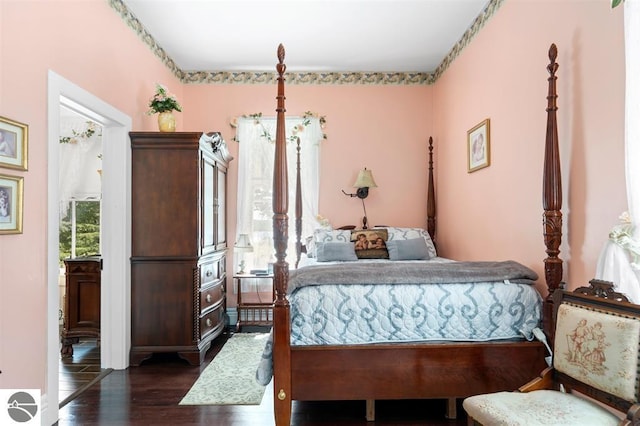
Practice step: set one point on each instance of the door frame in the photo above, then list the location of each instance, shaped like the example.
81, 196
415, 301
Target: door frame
115, 303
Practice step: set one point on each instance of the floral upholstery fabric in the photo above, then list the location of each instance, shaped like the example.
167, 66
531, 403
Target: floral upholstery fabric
599, 349
542, 407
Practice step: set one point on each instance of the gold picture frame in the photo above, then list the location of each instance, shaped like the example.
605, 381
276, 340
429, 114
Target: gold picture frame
14, 139
478, 147
11, 196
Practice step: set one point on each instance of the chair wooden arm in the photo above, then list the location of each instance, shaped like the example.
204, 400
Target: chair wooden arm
544, 381
633, 416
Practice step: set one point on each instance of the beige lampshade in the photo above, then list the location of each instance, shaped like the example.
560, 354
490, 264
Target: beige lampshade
365, 180
243, 243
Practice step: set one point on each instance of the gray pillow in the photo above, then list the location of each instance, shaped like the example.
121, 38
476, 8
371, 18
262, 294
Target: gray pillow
413, 249
335, 251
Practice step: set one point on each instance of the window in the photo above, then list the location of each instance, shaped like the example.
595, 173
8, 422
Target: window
256, 136
80, 230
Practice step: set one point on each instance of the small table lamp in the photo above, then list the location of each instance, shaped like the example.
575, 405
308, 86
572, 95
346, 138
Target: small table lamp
243, 245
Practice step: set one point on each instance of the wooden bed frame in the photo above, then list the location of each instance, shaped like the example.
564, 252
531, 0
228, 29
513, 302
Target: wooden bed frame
404, 370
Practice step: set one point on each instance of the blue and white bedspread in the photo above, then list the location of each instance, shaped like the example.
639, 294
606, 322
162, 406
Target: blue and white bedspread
338, 314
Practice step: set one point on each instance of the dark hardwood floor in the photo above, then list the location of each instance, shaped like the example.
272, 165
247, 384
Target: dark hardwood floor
79, 371
150, 393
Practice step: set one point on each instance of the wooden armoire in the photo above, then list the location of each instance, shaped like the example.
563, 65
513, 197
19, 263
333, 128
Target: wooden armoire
178, 243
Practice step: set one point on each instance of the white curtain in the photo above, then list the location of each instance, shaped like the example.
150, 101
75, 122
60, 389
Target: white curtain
80, 162
255, 182
618, 260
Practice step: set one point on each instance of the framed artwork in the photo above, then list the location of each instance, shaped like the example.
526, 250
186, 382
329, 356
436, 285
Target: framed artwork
478, 147
10, 204
13, 144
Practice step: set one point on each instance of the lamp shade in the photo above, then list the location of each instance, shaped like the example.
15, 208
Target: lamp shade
365, 180
243, 243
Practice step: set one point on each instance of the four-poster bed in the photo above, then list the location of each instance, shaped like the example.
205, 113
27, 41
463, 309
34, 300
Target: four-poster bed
406, 369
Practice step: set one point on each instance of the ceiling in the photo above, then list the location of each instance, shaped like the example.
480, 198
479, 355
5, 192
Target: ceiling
318, 35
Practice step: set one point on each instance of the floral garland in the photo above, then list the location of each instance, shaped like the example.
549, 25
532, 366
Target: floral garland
622, 235
306, 120
90, 131
86, 134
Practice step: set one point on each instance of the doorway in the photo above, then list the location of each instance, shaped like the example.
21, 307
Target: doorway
116, 223
80, 192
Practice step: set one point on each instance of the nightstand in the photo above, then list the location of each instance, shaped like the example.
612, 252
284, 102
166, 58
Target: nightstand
252, 312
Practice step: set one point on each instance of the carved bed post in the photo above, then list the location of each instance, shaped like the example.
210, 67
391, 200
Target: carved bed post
552, 195
298, 206
431, 197
281, 315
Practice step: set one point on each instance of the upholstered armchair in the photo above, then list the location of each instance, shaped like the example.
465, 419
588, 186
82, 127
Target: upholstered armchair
594, 378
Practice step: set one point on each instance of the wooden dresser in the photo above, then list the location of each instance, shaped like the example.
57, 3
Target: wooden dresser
81, 301
178, 243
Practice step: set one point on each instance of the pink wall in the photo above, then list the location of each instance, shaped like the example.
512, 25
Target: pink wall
496, 212
372, 126
385, 128
87, 43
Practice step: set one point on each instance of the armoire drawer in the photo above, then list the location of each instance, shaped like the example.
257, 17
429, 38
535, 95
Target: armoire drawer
212, 321
212, 271
211, 296
208, 273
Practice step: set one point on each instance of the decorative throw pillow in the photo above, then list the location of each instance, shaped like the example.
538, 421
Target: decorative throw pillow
396, 233
413, 249
370, 244
330, 252
325, 235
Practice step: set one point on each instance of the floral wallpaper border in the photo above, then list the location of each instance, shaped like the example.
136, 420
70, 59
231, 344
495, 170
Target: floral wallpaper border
306, 78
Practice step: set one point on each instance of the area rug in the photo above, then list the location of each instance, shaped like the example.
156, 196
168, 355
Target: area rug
230, 378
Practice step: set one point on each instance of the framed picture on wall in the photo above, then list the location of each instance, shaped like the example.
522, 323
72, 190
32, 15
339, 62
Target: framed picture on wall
10, 204
478, 147
13, 144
